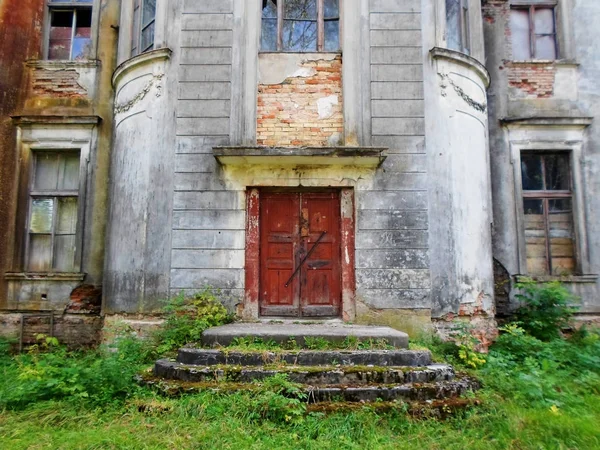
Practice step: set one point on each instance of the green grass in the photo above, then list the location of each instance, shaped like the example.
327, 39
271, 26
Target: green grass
536, 395
253, 344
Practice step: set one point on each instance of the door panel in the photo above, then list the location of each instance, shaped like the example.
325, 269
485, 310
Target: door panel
279, 224
320, 289
291, 225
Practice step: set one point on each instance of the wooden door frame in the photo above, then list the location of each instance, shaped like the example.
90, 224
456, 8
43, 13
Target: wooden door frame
250, 310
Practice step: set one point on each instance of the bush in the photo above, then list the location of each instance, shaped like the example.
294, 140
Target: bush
187, 318
547, 308
48, 371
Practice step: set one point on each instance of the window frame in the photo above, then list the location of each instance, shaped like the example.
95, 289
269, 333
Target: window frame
569, 140
66, 5
530, 7
55, 195
138, 28
545, 196
464, 27
55, 136
320, 28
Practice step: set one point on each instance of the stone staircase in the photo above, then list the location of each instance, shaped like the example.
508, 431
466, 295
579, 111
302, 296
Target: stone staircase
397, 374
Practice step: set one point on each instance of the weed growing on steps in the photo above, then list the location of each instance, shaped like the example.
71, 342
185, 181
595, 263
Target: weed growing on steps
187, 317
254, 344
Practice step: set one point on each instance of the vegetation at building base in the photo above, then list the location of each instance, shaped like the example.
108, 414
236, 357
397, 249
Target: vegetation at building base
537, 394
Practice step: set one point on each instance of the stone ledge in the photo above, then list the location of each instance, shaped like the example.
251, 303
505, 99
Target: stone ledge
45, 276
563, 279
301, 156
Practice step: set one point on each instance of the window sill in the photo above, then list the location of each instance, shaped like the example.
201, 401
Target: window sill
545, 62
60, 63
45, 276
563, 279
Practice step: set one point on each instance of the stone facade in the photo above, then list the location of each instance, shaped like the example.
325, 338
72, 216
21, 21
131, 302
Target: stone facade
419, 140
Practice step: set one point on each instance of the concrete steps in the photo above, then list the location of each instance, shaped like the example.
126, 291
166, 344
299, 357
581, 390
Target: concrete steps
324, 375
303, 333
337, 375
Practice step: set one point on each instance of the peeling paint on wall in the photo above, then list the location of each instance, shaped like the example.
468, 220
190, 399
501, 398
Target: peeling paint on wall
300, 100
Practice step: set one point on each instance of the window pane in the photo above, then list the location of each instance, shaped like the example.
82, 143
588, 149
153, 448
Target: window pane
531, 172
268, 37
148, 37
561, 236
61, 26
64, 253
40, 253
332, 35
42, 212
520, 33
453, 31
300, 9
557, 172
543, 21
535, 237
545, 47
331, 9
149, 11
299, 36
68, 173
83, 34
269, 9
46, 171
67, 215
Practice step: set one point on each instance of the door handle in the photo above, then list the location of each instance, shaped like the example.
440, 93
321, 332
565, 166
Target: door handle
304, 259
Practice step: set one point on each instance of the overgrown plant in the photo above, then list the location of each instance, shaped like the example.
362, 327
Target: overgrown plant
546, 308
187, 317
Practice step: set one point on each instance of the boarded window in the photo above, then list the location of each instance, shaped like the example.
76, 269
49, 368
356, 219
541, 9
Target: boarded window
70, 33
533, 31
144, 17
300, 26
548, 208
53, 212
457, 25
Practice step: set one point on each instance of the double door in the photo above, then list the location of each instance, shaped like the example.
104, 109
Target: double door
300, 257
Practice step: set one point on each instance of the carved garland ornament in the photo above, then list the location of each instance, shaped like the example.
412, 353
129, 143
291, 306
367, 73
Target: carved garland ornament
481, 107
155, 81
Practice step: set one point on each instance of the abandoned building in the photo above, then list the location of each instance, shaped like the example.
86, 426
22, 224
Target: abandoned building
397, 162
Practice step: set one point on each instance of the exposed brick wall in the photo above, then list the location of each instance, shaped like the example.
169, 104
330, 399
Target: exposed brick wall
288, 113
72, 330
528, 80
61, 83
533, 80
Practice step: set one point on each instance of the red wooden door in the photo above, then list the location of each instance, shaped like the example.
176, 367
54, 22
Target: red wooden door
291, 224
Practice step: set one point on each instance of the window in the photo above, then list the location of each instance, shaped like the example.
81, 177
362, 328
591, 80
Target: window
300, 26
548, 208
533, 31
53, 210
457, 25
144, 14
70, 30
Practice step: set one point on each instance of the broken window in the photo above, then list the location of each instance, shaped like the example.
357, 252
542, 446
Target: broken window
300, 26
548, 208
144, 16
53, 211
533, 31
457, 25
70, 30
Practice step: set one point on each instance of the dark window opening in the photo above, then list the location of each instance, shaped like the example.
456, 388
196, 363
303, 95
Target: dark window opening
70, 34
